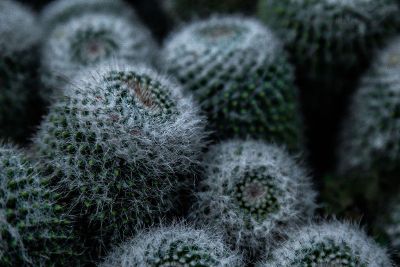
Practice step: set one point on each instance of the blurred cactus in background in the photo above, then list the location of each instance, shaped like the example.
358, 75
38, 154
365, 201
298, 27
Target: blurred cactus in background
238, 72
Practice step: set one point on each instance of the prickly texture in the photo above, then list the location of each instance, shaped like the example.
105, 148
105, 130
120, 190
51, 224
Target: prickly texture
117, 141
186, 10
330, 35
371, 133
239, 74
329, 244
177, 245
33, 229
61, 11
252, 191
19, 36
88, 40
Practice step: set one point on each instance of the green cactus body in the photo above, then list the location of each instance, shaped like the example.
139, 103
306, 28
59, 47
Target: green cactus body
88, 40
19, 36
239, 74
177, 245
33, 229
62, 11
117, 142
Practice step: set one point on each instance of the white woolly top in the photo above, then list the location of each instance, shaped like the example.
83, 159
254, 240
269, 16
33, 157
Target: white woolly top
342, 234
18, 27
147, 246
224, 34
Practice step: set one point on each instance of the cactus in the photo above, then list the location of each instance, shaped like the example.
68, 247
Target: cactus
329, 244
61, 11
19, 36
33, 230
186, 10
252, 189
330, 35
117, 142
239, 74
371, 133
88, 40
177, 245
391, 224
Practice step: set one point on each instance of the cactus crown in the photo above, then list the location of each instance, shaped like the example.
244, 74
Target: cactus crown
177, 245
329, 244
250, 188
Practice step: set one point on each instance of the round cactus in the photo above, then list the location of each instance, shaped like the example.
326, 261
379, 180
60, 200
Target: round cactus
19, 36
177, 245
33, 230
88, 40
252, 189
239, 73
370, 135
61, 11
330, 35
117, 142
329, 244
183, 9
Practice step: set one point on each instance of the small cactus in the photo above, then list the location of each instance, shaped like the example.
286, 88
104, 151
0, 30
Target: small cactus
239, 74
88, 40
329, 244
33, 229
19, 37
116, 142
177, 245
250, 191
60, 11
371, 133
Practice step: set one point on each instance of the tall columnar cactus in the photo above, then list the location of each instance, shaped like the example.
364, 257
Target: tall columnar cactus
370, 135
251, 192
61, 11
19, 36
33, 230
329, 244
177, 245
88, 40
186, 10
239, 73
117, 142
330, 35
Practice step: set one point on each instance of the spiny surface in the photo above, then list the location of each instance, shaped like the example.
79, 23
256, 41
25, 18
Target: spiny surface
329, 244
251, 190
177, 245
19, 36
88, 40
239, 74
33, 229
117, 142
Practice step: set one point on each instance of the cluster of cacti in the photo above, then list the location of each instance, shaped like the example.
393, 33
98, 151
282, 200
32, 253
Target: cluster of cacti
117, 143
34, 231
329, 244
238, 71
251, 191
177, 245
19, 37
90, 39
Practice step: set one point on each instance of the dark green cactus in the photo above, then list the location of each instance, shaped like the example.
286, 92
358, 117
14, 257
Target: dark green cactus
239, 74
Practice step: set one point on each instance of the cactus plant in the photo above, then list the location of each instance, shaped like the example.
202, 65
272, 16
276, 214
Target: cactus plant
33, 230
19, 36
116, 143
329, 244
88, 40
250, 191
391, 224
61, 11
177, 245
186, 10
239, 74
